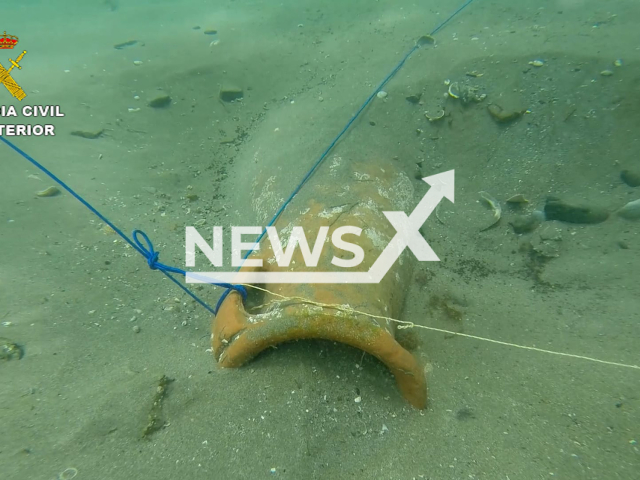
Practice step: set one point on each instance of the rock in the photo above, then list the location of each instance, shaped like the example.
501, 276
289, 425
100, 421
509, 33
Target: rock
230, 93
524, 223
88, 134
414, 99
556, 209
501, 115
162, 101
631, 177
128, 43
631, 211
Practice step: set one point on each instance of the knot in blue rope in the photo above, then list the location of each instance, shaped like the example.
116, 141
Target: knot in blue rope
147, 250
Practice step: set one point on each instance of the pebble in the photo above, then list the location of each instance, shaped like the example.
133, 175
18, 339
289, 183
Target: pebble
230, 93
136, 329
631, 211
382, 94
161, 101
524, 223
630, 177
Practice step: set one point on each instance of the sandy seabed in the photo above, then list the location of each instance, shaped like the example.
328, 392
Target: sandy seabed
100, 330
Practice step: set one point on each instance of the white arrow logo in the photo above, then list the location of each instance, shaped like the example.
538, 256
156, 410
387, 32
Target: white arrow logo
407, 235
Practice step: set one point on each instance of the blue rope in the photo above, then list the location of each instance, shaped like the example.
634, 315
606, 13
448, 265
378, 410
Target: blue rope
143, 248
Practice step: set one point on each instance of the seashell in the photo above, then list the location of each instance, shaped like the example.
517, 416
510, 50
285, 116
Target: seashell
436, 117
518, 198
606, 73
453, 90
495, 208
631, 211
536, 63
48, 192
382, 94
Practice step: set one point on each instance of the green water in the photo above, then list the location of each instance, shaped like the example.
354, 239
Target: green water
117, 379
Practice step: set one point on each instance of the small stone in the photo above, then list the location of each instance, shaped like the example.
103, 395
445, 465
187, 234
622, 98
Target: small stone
414, 99
524, 224
163, 101
606, 73
630, 177
631, 211
136, 329
502, 115
230, 93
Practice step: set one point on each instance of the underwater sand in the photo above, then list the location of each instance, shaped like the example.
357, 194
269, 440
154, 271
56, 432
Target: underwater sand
73, 292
